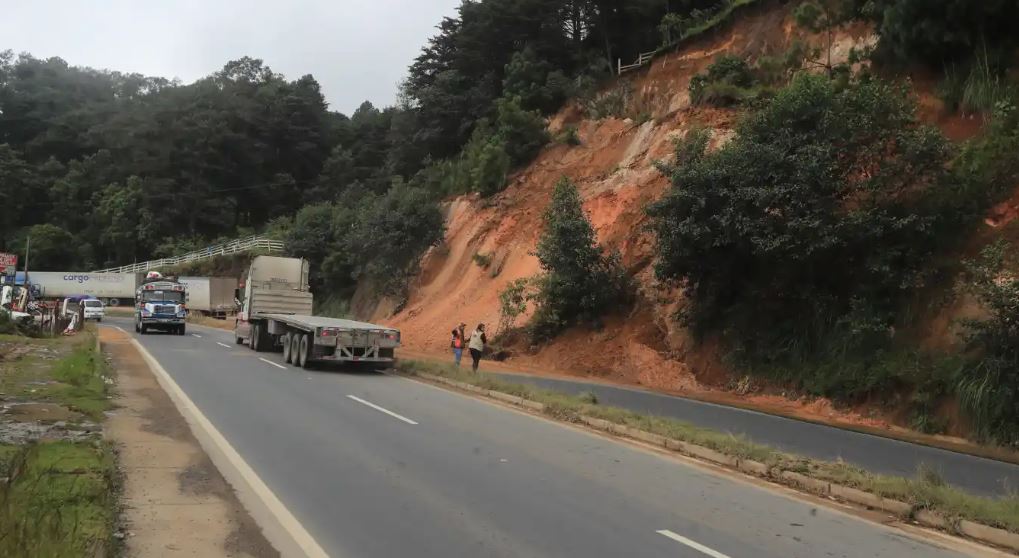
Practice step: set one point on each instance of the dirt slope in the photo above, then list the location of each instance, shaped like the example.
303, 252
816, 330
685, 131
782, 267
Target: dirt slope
614, 171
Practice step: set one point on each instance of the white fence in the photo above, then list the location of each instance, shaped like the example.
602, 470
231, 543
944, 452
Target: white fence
233, 247
642, 59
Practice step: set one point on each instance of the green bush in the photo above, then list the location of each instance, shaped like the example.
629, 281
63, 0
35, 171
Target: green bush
569, 136
728, 81
580, 283
989, 389
482, 260
812, 223
513, 303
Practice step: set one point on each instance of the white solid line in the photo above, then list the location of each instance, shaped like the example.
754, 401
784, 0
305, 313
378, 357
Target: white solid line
377, 408
272, 363
196, 335
279, 525
692, 544
222, 344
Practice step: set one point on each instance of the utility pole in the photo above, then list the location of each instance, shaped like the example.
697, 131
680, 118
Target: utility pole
28, 285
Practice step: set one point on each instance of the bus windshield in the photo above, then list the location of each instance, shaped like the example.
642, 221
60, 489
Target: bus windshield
163, 296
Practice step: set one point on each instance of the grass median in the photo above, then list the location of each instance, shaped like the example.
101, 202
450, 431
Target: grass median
926, 491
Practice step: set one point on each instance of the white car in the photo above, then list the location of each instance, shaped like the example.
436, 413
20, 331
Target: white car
93, 309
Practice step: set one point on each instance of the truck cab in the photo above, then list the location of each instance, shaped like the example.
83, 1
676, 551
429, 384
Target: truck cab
160, 306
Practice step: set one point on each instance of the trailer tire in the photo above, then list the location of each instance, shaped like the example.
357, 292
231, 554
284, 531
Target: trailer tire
288, 351
254, 339
182, 330
305, 352
114, 302
295, 349
143, 330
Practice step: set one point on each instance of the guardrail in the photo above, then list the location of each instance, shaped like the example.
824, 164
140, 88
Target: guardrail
233, 247
642, 59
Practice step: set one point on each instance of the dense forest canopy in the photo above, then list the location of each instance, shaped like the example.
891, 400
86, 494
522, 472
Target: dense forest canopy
132, 166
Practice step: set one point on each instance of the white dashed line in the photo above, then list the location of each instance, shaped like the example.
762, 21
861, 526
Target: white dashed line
196, 335
692, 544
222, 344
272, 363
377, 408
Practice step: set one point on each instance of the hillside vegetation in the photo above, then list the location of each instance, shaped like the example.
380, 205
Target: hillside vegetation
810, 224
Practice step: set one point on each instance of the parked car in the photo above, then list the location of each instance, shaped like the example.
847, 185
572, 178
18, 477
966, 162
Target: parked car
94, 309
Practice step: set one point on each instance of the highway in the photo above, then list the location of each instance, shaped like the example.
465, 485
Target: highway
874, 453
375, 465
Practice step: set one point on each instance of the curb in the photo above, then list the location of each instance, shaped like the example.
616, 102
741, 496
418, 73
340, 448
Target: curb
902, 510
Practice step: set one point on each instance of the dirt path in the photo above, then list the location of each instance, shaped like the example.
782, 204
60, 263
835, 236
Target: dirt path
176, 503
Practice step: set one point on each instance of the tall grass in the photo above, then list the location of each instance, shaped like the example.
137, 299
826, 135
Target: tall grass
978, 88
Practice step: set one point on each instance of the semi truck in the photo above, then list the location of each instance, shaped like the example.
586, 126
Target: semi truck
212, 296
160, 305
276, 313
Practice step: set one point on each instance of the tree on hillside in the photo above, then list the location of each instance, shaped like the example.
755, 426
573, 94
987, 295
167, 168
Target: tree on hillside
947, 30
579, 282
816, 217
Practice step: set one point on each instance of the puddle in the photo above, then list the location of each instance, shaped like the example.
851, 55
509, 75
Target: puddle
45, 412
24, 432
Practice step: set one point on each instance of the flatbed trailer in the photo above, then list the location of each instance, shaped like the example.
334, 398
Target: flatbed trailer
308, 339
276, 315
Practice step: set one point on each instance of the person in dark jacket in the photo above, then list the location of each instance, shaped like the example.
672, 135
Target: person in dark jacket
477, 345
457, 341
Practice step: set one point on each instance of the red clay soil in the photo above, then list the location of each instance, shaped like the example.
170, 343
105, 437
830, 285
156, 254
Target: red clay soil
614, 170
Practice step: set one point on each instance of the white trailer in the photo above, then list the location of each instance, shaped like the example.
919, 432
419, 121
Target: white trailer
113, 289
276, 313
212, 296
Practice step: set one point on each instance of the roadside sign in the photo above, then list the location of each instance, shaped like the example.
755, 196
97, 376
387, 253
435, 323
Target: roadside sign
8, 259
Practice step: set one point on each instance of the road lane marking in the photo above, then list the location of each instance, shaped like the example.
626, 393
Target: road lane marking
222, 344
692, 544
282, 529
121, 329
196, 335
272, 363
377, 408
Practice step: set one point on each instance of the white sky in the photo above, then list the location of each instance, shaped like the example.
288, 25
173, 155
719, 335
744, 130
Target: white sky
357, 49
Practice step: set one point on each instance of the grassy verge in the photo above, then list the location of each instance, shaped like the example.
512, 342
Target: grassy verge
57, 497
58, 501
82, 380
926, 491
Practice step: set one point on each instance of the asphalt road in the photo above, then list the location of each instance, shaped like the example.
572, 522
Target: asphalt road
874, 453
381, 466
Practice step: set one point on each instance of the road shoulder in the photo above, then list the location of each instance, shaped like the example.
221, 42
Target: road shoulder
175, 500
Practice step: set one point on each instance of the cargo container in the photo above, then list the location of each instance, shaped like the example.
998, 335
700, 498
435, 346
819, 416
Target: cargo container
114, 289
212, 296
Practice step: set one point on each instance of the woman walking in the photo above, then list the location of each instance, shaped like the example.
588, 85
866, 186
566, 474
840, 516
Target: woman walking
477, 345
456, 341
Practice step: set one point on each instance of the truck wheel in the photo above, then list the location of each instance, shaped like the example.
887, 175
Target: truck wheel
287, 351
295, 349
143, 329
305, 354
255, 338
137, 327
183, 329
238, 340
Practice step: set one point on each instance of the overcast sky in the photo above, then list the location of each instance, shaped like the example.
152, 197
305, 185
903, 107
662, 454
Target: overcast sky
356, 49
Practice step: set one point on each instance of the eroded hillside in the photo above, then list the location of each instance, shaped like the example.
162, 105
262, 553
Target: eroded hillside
614, 169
